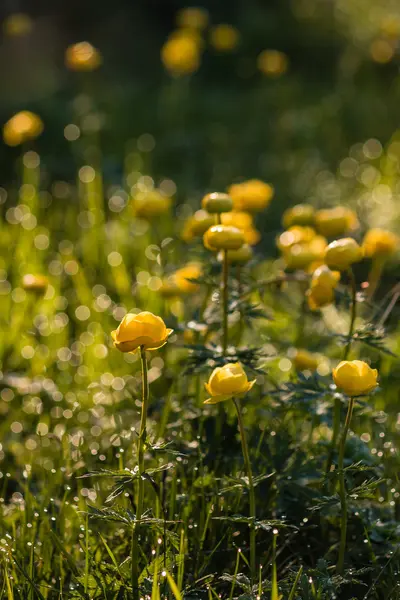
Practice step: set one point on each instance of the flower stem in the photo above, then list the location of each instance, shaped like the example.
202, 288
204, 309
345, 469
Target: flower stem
140, 453
225, 270
342, 490
252, 499
375, 276
346, 352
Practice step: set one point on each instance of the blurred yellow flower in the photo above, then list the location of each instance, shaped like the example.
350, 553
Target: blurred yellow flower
251, 236
301, 255
379, 242
240, 219
300, 214
223, 237
295, 235
333, 222
304, 360
180, 279
252, 195
192, 17
240, 256
382, 51
217, 202
143, 329
35, 283
323, 284
355, 377
17, 24
323, 276
342, 253
224, 37
197, 225
150, 203
273, 63
82, 57
181, 55
22, 127
227, 382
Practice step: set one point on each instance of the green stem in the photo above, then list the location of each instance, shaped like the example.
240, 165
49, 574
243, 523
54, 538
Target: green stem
140, 452
252, 499
225, 270
336, 417
374, 276
342, 490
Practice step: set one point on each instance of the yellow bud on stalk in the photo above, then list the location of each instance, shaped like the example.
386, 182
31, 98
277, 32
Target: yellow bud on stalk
355, 377
217, 202
227, 382
341, 254
223, 237
143, 329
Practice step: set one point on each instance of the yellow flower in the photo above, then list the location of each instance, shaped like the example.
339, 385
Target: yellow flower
150, 203
355, 377
382, 51
251, 236
378, 242
300, 214
240, 219
319, 296
323, 276
240, 256
224, 37
192, 17
82, 57
295, 235
181, 55
273, 63
180, 279
252, 195
332, 222
223, 237
22, 127
197, 225
217, 202
304, 254
143, 329
17, 24
342, 253
304, 360
35, 283
227, 382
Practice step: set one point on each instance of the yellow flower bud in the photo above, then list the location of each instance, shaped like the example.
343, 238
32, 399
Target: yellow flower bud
304, 360
241, 220
295, 235
240, 256
150, 203
180, 279
217, 202
302, 255
197, 225
324, 277
342, 253
143, 329
333, 222
252, 195
192, 17
227, 382
300, 214
272, 63
17, 24
22, 127
223, 237
355, 377
35, 283
224, 37
378, 242
181, 55
82, 57
319, 296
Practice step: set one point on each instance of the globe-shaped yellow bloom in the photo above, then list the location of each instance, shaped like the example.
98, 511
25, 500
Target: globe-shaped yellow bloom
180, 279
35, 283
150, 204
355, 377
217, 202
192, 17
333, 222
304, 360
319, 296
300, 214
227, 382
82, 57
380, 243
304, 254
181, 55
237, 218
224, 37
295, 235
273, 63
240, 256
143, 329
252, 195
324, 277
22, 127
197, 225
341, 254
223, 237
